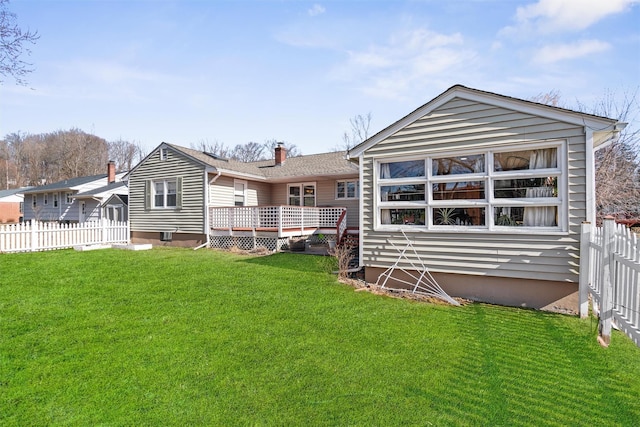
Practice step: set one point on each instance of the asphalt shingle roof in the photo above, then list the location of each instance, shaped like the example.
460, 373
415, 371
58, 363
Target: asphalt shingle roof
334, 163
66, 184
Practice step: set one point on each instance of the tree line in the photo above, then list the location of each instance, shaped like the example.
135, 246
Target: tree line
39, 159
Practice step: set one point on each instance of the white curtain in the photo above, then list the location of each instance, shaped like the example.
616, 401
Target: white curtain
385, 214
542, 216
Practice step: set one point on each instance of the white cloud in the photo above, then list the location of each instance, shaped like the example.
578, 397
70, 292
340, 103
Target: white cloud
559, 52
406, 63
548, 16
316, 10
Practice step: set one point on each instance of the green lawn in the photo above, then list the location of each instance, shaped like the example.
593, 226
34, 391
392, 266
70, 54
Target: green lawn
183, 337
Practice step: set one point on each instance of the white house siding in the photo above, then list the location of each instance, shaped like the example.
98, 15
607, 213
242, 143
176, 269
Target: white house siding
189, 218
463, 124
63, 212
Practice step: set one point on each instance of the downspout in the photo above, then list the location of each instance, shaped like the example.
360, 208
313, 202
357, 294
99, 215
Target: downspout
590, 184
361, 211
206, 207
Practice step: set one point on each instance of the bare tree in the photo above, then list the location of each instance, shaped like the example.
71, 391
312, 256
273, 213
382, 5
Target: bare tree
13, 41
618, 165
249, 152
124, 153
548, 98
217, 148
359, 132
270, 147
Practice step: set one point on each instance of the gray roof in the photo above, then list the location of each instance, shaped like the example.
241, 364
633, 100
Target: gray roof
6, 193
66, 184
326, 164
109, 187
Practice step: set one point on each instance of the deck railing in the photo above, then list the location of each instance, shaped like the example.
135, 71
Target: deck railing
274, 217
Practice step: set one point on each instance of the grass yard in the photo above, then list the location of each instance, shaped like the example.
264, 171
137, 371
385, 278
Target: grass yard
183, 337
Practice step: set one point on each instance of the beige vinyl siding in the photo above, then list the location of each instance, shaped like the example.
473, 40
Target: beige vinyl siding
221, 192
467, 125
258, 193
190, 217
327, 197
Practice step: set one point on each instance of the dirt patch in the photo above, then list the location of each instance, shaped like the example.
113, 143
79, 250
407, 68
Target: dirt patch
362, 286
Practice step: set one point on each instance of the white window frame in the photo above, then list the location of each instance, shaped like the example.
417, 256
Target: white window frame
55, 200
301, 186
34, 201
68, 199
164, 154
242, 194
165, 193
489, 176
45, 199
346, 189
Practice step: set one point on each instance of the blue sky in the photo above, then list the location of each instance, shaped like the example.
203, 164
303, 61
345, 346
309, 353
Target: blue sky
297, 71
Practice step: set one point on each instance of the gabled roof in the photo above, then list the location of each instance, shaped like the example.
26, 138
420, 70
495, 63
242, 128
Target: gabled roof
602, 127
325, 164
14, 191
67, 184
112, 188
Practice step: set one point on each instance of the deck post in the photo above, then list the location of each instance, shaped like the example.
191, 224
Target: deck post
608, 272
584, 273
280, 221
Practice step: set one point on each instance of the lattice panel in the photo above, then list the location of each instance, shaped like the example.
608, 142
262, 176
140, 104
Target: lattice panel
247, 243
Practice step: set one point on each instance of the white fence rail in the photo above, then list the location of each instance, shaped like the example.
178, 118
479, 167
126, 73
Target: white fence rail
41, 236
274, 217
610, 272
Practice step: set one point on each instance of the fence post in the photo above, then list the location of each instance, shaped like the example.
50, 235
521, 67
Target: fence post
608, 272
584, 276
34, 235
104, 237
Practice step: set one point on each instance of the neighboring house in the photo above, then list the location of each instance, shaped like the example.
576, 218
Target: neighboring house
109, 201
56, 202
491, 191
11, 205
182, 196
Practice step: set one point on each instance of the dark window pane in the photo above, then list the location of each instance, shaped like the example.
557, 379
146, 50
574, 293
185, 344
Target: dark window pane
459, 216
397, 193
465, 190
408, 169
458, 165
402, 216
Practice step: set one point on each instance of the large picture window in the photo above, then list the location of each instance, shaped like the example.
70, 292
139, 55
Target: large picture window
491, 189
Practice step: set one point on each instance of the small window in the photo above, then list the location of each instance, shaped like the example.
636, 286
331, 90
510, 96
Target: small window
166, 236
45, 200
67, 198
21, 207
347, 190
55, 200
34, 200
164, 154
165, 193
302, 194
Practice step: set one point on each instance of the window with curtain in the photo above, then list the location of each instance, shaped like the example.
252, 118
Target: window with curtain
492, 189
302, 194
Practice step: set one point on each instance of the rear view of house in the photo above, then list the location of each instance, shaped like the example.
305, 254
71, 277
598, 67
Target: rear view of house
182, 196
491, 191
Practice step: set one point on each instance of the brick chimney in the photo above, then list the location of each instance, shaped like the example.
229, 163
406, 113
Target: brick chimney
281, 153
111, 172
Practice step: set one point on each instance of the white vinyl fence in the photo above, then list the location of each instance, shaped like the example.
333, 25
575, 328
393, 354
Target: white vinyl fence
41, 236
610, 272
